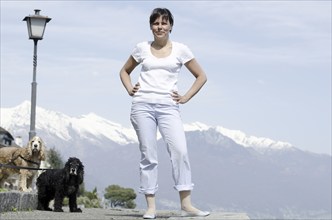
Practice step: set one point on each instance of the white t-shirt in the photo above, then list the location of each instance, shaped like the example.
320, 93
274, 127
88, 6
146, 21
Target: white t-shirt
159, 76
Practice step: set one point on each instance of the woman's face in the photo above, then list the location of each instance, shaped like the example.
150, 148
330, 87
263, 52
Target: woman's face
161, 28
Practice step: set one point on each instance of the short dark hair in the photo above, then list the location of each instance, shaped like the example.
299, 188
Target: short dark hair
164, 12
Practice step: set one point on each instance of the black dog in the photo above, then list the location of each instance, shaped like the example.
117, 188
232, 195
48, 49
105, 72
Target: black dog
59, 183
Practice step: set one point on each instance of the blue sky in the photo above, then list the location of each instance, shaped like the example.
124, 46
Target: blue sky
268, 62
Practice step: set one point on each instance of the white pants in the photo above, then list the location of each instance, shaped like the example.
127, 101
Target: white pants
146, 118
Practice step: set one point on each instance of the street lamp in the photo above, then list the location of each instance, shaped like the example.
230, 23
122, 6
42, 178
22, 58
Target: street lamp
36, 26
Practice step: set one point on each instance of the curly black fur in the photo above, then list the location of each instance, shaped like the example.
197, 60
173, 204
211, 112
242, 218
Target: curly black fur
59, 183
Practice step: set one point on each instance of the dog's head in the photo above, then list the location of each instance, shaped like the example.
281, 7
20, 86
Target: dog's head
74, 168
36, 146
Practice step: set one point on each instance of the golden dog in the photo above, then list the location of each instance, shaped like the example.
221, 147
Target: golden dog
29, 156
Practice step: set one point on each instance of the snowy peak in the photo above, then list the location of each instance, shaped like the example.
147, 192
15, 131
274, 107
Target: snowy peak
252, 141
196, 126
89, 126
259, 143
100, 127
95, 128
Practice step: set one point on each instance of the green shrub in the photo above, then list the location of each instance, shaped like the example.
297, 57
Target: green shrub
119, 196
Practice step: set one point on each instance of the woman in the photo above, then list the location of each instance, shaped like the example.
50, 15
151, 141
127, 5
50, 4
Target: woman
156, 104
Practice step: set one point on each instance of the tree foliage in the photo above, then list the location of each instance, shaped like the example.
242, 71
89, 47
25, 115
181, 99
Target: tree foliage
119, 196
90, 199
86, 198
54, 158
91, 195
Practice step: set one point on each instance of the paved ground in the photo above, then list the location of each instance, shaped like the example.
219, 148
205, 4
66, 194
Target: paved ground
112, 214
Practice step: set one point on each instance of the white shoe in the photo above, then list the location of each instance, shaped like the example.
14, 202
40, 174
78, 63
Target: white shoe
149, 216
194, 214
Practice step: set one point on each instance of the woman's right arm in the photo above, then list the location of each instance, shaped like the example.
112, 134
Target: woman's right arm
128, 67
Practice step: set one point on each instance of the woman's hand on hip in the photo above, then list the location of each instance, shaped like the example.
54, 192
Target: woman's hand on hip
178, 98
134, 89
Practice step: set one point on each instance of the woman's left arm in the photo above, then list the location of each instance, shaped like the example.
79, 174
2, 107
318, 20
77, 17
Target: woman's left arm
193, 66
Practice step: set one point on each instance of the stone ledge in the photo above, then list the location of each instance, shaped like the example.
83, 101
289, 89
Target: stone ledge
16, 200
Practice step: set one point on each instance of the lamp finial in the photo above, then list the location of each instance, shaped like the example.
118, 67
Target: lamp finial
37, 11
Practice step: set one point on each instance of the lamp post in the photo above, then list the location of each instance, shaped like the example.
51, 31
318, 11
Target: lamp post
36, 26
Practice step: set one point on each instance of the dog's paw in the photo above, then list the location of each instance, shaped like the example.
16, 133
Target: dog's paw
76, 210
44, 209
58, 210
40, 208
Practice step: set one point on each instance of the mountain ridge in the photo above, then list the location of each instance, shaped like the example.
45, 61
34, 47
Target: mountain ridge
91, 123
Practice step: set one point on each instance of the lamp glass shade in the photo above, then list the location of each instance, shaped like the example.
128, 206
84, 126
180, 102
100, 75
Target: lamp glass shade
36, 27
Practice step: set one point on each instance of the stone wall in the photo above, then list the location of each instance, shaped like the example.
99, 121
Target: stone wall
15, 200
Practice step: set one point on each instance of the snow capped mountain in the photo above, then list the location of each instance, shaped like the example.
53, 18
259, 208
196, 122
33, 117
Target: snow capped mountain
239, 137
93, 126
61, 125
252, 141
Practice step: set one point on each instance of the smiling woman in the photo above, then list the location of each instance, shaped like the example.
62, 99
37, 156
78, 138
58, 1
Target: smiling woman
155, 104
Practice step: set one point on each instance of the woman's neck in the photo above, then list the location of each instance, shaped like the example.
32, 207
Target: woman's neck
161, 49
160, 43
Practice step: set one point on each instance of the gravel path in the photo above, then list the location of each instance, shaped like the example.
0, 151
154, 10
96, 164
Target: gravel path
111, 214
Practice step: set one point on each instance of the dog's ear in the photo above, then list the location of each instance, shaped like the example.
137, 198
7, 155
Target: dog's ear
67, 171
81, 173
42, 153
80, 177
